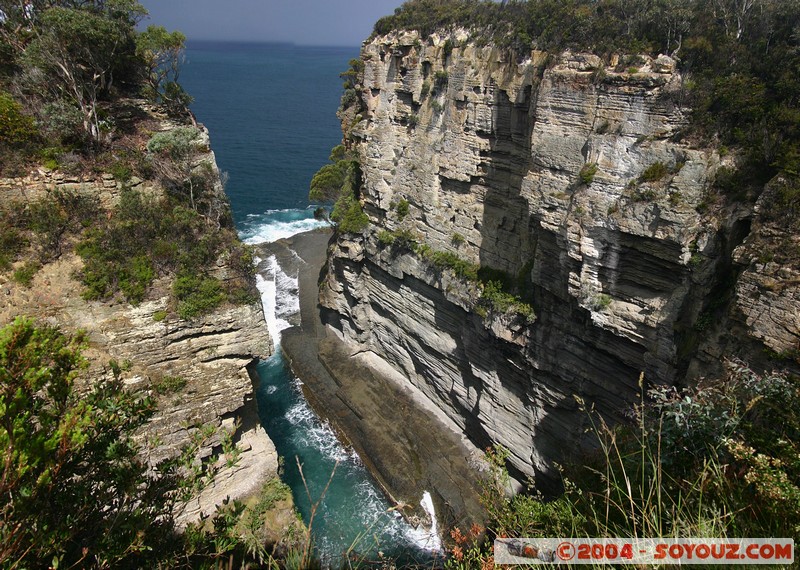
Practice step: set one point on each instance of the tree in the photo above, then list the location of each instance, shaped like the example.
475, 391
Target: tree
162, 54
75, 52
176, 152
73, 491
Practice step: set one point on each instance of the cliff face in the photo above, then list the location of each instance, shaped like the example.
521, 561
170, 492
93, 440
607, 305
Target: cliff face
197, 369
569, 176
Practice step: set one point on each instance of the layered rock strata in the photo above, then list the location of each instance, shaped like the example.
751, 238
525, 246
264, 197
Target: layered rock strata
570, 177
197, 369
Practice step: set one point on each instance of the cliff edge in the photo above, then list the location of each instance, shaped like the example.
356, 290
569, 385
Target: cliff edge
541, 232
197, 367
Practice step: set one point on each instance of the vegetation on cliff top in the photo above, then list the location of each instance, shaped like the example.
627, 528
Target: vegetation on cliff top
741, 60
64, 103
66, 65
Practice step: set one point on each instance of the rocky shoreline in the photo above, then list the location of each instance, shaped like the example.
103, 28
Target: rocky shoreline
408, 444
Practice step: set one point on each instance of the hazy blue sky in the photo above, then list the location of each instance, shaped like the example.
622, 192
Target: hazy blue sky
309, 22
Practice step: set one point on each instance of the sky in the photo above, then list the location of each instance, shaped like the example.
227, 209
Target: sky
303, 22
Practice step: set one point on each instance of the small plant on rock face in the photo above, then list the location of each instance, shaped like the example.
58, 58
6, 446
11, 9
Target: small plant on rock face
654, 172
586, 175
402, 209
425, 90
386, 237
25, 274
601, 302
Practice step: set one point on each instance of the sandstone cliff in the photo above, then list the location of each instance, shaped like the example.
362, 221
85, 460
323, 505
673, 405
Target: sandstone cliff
197, 369
570, 176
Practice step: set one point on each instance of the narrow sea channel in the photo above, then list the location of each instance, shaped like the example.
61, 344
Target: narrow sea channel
351, 514
271, 113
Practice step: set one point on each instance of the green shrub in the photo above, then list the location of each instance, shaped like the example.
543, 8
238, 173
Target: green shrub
121, 171
170, 385
402, 209
147, 238
176, 143
654, 172
457, 239
197, 295
586, 175
25, 274
135, 277
72, 468
494, 297
451, 261
16, 128
349, 215
601, 302
11, 243
413, 120
425, 90
159, 316
386, 237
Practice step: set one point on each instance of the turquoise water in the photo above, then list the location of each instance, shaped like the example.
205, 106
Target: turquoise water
271, 113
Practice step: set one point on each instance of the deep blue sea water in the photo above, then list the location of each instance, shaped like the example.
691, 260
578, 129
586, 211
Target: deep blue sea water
271, 113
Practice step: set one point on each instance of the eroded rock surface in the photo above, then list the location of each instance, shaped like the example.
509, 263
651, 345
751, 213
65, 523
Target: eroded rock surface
572, 177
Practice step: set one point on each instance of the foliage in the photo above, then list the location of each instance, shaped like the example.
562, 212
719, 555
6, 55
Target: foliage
174, 154
197, 295
386, 237
74, 55
352, 75
74, 491
25, 274
496, 298
402, 209
11, 242
177, 144
719, 460
146, 238
425, 89
601, 302
170, 385
16, 128
46, 223
342, 176
654, 172
586, 175
162, 54
349, 215
451, 261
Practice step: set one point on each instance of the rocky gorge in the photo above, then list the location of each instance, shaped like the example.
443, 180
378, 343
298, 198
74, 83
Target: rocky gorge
570, 179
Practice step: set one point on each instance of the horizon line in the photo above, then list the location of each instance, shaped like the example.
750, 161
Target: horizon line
269, 42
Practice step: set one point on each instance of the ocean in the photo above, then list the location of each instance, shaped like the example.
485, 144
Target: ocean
271, 113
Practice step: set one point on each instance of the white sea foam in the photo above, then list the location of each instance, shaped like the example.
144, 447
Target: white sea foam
281, 301
279, 296
273, 225
317, 434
